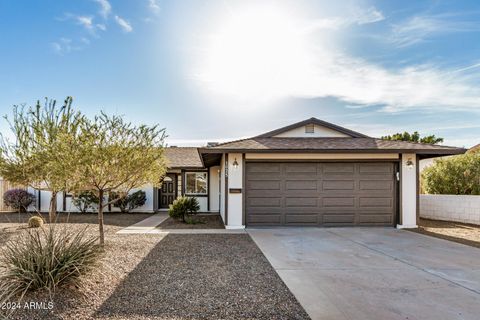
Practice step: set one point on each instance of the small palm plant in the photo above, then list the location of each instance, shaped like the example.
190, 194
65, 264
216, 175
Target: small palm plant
183, 207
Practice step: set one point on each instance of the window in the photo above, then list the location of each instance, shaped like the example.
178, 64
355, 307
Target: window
310, 128
196, 183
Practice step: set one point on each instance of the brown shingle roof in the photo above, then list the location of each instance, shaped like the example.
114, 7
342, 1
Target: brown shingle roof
183, 157
332, 145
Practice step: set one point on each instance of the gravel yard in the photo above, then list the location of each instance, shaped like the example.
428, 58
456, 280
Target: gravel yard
203, 221
178, 276
468, 234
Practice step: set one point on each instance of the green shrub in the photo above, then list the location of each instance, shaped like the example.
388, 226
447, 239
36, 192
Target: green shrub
45, 259
35, 222
18, 199
454, 175
182, 207
85, 201
129, 202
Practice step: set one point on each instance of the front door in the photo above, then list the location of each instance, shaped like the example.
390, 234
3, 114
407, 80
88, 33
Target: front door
168, 191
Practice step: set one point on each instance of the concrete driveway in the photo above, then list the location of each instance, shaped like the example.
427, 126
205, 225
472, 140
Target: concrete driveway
374, 273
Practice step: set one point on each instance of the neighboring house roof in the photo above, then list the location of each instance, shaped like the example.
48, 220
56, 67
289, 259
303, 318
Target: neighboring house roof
475, 148
331, 145
316, 121
183, 157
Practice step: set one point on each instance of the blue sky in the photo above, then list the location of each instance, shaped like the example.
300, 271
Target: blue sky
220, 70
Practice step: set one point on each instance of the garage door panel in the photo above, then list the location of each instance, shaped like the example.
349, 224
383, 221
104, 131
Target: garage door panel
301, 168
263, 168
342, 168
264, 202
269, 219
385, 218
263, 185
266, 210
375, 168
301, 185
376, 185
338, 185
375, 202
301, 202
301, 218
328, 194
338, 202
332, 218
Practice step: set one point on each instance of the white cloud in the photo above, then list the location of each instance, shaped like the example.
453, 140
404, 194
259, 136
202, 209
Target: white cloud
124, 24
85, 21
154, 6
369, 15
64, 46
105, 8
85, 40
88, 23
356, 16
255, 56
101, 26
423, 27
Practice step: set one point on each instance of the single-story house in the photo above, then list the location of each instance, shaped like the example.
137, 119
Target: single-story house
310, 173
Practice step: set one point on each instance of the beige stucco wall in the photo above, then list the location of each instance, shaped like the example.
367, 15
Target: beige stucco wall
408, 192
214, 188
235, 200
222, 188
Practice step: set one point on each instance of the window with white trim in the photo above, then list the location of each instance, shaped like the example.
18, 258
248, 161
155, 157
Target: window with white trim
196, 183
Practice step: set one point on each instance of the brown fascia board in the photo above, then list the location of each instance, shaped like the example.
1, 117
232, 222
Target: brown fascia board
425, 152
186, 168
316, 121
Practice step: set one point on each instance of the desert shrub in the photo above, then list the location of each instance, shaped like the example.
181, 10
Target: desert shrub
183, 207
45, 259
35, 222
454, 175
18, 199
85, 201
130, 201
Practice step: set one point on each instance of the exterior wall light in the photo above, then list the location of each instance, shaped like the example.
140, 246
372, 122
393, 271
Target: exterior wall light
409, 163
235, 164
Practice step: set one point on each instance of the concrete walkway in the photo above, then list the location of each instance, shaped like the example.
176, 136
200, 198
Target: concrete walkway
146, 225
149, 226
374, 273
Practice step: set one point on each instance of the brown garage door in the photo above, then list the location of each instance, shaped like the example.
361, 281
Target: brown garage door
324, 194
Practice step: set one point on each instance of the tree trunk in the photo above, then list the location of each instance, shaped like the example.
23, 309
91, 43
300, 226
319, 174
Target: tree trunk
100, 217
52, 210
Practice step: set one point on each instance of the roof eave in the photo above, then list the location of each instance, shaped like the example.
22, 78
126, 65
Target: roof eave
186, 167
435, 152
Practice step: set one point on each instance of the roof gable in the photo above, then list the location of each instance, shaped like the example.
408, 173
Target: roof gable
321, 129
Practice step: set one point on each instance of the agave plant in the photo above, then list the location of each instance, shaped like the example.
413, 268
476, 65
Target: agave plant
45, 258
